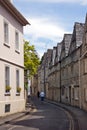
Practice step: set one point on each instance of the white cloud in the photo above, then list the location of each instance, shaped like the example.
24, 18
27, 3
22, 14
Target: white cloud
83, 2
53, 1
44, 28
43, 33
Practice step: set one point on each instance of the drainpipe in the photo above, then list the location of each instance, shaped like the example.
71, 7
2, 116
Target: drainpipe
80, 97
44, 82
60, 81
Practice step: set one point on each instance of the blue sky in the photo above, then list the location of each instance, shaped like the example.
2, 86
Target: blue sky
50, 20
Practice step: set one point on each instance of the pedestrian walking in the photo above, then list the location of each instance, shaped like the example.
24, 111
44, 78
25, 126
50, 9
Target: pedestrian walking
42, 95
38, 94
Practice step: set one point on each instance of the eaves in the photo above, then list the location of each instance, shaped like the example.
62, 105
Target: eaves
14, 12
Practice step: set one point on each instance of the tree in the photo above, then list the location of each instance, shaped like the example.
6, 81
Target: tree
31, 59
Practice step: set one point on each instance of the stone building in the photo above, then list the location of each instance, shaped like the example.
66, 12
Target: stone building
83, 70
34, 84
67, 71
70, 67
43, 72
39, 78
54, 74
64, 73
11, 59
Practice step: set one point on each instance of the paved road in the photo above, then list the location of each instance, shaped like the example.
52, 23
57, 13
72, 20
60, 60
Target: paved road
44, 117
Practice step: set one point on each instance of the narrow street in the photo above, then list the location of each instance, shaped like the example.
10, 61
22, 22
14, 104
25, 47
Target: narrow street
45, 116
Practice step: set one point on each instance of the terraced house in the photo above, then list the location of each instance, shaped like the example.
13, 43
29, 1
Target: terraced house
67, 75
11, 59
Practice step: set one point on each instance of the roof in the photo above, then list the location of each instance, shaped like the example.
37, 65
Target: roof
15, 13
77, 36
65, 45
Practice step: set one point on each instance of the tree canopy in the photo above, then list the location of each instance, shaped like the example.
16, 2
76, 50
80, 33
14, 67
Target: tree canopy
31, 59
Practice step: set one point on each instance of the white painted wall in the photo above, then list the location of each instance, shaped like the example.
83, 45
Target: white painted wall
9, 54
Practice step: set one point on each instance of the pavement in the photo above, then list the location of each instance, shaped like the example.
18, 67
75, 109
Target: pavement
80, 114
6, 119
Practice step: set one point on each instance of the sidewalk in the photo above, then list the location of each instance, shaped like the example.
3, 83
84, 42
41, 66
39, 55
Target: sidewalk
11, 117
80, 114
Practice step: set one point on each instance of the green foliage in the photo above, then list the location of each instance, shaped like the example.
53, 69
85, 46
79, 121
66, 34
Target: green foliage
31, 60
26, 85
8, 88
18, 89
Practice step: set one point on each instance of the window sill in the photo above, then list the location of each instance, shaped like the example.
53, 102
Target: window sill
85, 73
7, 45
17, 94
76, 99
17, 51
7, 94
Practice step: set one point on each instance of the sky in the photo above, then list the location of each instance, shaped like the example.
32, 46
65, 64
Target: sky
50, 20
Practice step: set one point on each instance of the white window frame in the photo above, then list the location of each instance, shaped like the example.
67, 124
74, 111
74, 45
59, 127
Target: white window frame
6, 32
7, 76
17, 78
17, 41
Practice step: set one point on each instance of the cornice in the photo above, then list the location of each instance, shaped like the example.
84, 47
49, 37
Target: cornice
14, 12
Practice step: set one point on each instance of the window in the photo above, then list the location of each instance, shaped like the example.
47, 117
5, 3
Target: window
7, 79
85, 91
6, 33
17, 79
67, 92
85, 66
76, 93
16, 41
72, 68
62, 90
72, 93
86, 38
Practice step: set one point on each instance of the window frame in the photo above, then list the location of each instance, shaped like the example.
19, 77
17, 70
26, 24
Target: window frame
7, 78
17, 79
76, 93
17, 47
85, 66
85, 94
6, 33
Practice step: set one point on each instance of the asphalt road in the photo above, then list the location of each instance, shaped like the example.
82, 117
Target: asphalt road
44, 117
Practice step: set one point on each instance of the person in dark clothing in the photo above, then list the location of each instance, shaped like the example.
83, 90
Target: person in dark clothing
38, 94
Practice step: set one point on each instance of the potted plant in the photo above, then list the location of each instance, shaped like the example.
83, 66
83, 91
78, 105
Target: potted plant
18, 89
8, 88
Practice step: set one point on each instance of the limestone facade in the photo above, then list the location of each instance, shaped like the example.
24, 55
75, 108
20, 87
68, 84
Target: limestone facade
43, 71
67, 71
34, 84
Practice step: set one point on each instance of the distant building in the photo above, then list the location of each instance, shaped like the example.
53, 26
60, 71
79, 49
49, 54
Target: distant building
54, 74
34, 84
43, 71
11, 59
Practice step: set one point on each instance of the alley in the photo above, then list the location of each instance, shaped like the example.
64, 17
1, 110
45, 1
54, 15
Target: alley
44, 117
